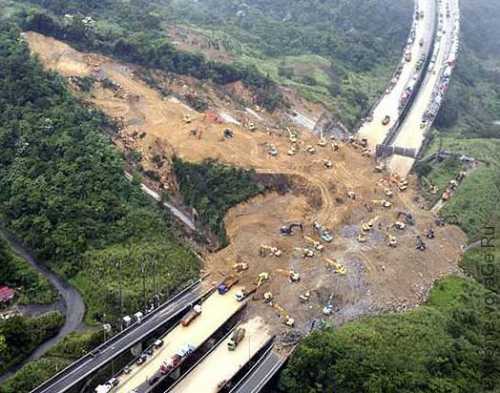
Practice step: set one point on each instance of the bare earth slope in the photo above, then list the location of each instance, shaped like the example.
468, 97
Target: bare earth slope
378, 277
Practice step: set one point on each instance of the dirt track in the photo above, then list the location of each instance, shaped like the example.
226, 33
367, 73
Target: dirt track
378, 277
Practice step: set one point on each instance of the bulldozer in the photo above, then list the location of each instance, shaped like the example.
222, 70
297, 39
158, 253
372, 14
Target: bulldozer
288, 321
337, 267
269, 251
305, 297
317, 245
292, 275
187, 118
288, 229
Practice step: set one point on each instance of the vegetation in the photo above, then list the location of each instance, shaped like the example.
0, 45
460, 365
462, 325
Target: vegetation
22, 335
212, 189
449, 345
15, 272
63, 192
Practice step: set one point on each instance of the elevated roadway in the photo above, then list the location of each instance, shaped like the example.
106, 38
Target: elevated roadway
412, 131
104, 354
419, 44
216, 310
221, 365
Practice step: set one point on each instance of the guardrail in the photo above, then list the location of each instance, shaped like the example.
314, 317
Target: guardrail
113, 339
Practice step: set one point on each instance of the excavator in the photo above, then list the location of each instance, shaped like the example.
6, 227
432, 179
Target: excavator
317, 245
288, 321
408, 217
388, 192
328, 164
362, 238
292, 137
244, 292
337, 267
322, 141
269, 251
288, 229
240, 266
328, 309
293, 149
420, 244
306, 252
392, 241
368, 226
187, 118
292, 275
310, 149
382, 203
400, 225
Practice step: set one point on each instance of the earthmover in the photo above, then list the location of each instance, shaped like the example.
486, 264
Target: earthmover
317, 245
236, 338
292, 275
288, 321
337, 267
269, 251
288, 229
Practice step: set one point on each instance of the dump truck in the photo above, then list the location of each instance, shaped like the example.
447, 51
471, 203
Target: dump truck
191, 315
243, 293
171, 364
236, 338
227, 284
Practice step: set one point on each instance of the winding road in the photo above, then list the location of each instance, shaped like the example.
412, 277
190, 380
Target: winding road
73, 306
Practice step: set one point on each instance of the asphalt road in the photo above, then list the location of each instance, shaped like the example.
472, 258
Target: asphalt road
261, 374
72, 303
116, 346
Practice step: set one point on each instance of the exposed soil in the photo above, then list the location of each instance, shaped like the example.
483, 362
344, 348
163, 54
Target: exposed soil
378, 277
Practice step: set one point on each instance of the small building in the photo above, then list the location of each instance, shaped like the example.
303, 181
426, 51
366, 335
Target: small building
6, 295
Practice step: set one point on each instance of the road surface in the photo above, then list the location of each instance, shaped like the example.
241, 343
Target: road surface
261, 374
411, 135
374, 131
120, 343
73, 306
217, 309
206, 378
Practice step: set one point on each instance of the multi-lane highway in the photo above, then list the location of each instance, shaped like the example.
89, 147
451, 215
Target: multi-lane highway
122, 342
412, 131
418, 46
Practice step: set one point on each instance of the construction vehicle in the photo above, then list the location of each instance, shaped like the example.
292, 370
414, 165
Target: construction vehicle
322, 142
268, 297
399, 225
228, 133
273, 151
408, 217
288, 229
382, 203
292, 275
386, 120
293, 149
291, 136
323, 233
430, 233
392, 241
388, 192
191, 315
304, 298
362, 238
227, 284
251, 126
420, 244
328, 309
351, 195
244, 292
335, 146
269, 251
327, 164
337, 267
446, 195
240, 266
317, 245
236, 338
403, 185
264, 276
310, 149
380, 167
187, 118
288, 321
305, 252
366, 227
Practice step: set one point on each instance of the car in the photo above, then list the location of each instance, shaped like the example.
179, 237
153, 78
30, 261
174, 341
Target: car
141, 359
113, 382
127, 370
149, 352
158, 343
386, 120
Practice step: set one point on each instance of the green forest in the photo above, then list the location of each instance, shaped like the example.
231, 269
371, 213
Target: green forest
212, 189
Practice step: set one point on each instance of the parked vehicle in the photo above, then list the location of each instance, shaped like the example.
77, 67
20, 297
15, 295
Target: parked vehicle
235, 339
227, 284
191, 315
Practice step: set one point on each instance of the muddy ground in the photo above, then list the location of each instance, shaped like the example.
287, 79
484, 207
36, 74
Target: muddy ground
378, 277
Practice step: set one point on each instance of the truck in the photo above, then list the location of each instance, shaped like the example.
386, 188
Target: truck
191, 315
175, 361
243, 293
236, 338
227, 284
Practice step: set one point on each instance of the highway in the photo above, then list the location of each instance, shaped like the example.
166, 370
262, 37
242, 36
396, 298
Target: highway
216, 310
411, 133
261, 374
207, 379
421, 33
122, 342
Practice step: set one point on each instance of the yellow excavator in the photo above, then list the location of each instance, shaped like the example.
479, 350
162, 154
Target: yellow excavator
265, 250
240, 266
382, 203
288, 321
337, 267
291, 274
317, 245
292, 137
367, 226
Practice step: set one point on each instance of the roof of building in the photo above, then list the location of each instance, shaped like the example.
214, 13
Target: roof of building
6, 294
